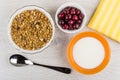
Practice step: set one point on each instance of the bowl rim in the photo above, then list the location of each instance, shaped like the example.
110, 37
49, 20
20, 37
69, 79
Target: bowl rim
72, 4
78, 67
18, 11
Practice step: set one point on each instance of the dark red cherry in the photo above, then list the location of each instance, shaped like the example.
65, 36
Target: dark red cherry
68, 17
76, 26
71, 22
70, 27
61, 22
78, 12
64, 11
81, 16
65, 26
79, 22
68, 8
61, 15
75, 17
72, 11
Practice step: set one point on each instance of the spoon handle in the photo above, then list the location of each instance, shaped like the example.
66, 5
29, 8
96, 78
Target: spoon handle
60, 69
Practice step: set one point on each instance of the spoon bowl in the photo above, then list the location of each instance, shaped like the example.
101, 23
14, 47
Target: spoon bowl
18, 60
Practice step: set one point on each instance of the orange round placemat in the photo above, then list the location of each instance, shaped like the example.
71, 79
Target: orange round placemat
84, 70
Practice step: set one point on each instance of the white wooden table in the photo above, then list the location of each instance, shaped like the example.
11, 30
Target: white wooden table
53, 55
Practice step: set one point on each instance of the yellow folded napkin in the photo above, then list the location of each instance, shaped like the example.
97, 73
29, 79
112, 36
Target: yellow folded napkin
106, 19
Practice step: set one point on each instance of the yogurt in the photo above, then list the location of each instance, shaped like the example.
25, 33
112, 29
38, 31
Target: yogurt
88, 52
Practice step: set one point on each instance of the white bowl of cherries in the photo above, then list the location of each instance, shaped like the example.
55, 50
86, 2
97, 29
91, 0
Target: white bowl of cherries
70, 17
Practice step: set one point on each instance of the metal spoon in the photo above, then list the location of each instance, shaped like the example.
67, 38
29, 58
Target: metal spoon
19, 60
